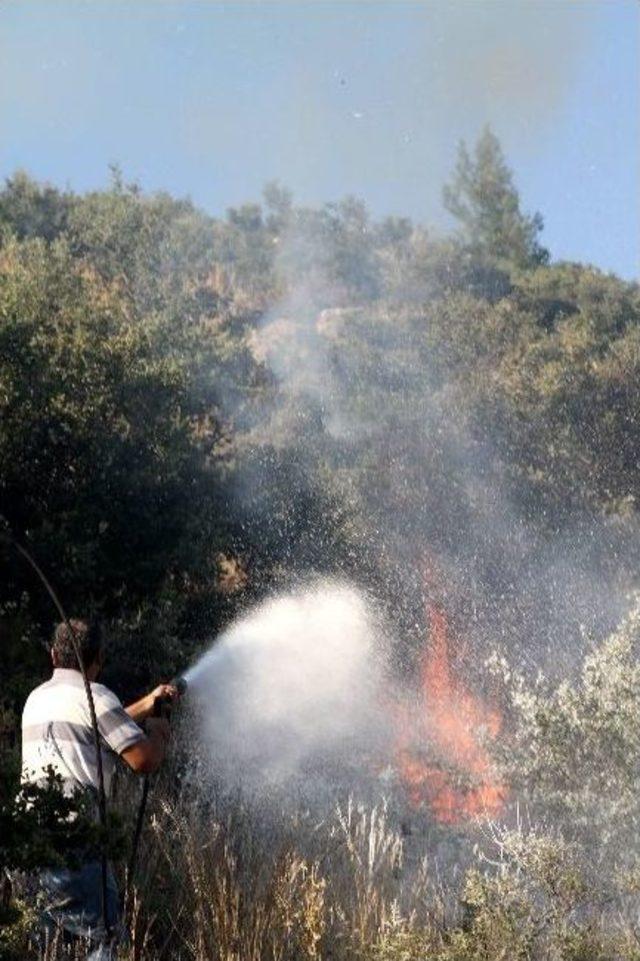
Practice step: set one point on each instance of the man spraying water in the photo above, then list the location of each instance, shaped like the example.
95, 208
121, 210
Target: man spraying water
57, 737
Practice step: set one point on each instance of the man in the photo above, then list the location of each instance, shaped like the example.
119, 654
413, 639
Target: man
57, 735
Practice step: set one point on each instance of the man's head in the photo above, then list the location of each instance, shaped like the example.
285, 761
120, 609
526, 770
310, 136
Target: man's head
88, 638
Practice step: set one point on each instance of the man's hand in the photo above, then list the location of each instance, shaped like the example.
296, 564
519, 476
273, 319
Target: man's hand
142, 709
165, 692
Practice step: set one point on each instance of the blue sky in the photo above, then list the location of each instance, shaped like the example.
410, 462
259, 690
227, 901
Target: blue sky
212, 100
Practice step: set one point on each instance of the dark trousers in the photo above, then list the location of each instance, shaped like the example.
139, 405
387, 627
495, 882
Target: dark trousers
72, 903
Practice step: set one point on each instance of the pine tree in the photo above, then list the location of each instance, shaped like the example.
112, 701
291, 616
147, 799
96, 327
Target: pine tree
483, 198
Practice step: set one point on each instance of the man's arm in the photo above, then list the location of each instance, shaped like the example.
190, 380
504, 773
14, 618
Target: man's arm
140, 710
146, 755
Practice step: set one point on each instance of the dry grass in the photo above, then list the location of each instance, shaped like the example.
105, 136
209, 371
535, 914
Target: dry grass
229, 879
302, 891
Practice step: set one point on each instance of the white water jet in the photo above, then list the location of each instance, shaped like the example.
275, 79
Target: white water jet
294, 682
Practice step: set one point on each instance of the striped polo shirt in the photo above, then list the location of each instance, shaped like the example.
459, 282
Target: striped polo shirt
57, 732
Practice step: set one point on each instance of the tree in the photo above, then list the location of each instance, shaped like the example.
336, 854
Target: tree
100, 459
30, 209
483, 198
279, 203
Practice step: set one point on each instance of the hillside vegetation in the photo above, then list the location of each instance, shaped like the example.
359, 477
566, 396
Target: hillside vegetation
194, 411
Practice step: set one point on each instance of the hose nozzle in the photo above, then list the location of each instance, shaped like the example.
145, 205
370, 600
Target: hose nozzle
180, 685
163, 705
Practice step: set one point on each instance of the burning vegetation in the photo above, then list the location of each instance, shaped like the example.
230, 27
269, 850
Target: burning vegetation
442, 752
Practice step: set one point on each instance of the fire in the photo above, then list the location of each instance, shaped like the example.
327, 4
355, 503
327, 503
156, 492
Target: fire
441, 757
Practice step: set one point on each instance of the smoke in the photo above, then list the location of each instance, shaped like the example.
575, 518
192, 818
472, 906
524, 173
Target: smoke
364, 403
433, 490
293, 340
292, 685
514, 64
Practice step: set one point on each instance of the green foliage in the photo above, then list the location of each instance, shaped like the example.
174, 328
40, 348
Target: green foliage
17, 922
29, 209
41, 825
572, 751
482, 197
93, 444
536, 903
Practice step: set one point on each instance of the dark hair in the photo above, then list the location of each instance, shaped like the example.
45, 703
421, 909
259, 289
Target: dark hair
88, 638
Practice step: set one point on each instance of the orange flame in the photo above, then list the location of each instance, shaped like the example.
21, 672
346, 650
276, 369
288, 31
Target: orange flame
450, 726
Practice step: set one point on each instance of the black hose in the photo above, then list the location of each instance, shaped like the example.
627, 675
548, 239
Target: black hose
161, 708
102, 797
131, 867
